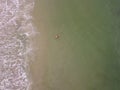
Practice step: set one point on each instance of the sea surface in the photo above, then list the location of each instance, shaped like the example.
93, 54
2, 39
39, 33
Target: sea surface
78, 47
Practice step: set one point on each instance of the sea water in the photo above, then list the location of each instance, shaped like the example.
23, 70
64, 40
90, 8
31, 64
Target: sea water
86, 56
15, 30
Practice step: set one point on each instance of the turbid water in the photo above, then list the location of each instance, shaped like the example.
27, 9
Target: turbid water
86, 54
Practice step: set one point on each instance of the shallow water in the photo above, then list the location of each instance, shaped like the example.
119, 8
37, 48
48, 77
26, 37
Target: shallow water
86, 54
15, 29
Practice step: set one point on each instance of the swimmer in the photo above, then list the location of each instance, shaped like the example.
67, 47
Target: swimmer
57, 36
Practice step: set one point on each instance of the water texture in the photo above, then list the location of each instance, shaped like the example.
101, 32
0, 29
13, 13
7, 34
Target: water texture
15, 30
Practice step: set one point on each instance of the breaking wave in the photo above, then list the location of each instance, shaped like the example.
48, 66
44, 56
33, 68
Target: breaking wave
15, 29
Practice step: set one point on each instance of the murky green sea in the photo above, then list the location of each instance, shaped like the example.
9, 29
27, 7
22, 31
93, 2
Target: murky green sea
86, 56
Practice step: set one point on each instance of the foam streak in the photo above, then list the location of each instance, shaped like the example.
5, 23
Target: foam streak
15, 18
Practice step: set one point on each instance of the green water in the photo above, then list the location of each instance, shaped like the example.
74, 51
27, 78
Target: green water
86, 55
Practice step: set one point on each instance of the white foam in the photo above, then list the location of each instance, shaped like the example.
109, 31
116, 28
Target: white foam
15, 29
